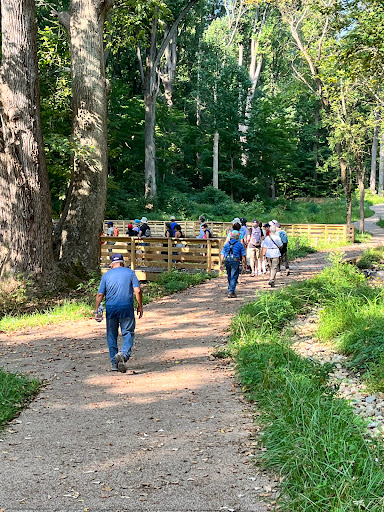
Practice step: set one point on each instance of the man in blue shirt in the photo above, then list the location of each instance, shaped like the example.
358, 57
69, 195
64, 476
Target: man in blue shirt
232, 254
118, 286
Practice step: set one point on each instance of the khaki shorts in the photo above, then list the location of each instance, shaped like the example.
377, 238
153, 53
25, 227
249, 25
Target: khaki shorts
254, 253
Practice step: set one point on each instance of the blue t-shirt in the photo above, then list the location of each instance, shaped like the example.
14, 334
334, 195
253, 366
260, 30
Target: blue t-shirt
173, 224
117, 286
238, 249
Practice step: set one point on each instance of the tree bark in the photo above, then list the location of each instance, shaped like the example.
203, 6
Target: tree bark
25, 203
346, 182
273, 188
215, 180
381, 165
168, 71
150, 145
151, 90
375, 140
360, 180
81, 222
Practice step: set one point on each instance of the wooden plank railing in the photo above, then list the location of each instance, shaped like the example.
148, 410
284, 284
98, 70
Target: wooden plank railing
163, 253
314, 232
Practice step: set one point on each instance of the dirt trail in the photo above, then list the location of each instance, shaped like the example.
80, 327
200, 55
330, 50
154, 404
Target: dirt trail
172, 436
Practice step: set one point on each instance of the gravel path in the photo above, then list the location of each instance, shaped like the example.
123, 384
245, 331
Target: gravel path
172, 434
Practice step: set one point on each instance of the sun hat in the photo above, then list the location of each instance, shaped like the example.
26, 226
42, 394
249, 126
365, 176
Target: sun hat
172, 217
117, 258
143, 220
110, 223
137, 221
236, 220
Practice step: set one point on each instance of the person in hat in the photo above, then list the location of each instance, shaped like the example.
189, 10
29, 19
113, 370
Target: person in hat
131, 231
271, 250
118, 286
172, 220
145, 230
232, 254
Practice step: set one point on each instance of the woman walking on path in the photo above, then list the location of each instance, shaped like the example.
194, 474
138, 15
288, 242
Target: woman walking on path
271, 250
254, 253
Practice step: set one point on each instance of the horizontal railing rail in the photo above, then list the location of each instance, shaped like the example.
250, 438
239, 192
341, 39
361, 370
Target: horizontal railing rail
314, 232
161, 254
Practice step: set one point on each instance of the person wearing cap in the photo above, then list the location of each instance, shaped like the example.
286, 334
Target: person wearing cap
232, 254
131, 231
271, 250
118, 286
136, 226
145, 230
172, 220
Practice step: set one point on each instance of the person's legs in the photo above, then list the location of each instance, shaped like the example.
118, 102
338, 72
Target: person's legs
112, 332
284, 259
258, 261
251, 257
273, 263
127, 326
233, 270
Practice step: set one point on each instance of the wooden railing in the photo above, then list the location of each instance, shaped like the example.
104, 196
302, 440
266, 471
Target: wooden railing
315, 232
160, 254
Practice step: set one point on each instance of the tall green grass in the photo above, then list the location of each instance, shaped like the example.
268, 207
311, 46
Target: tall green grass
15, 393
312, 438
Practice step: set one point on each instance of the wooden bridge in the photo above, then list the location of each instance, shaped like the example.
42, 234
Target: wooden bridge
151, 256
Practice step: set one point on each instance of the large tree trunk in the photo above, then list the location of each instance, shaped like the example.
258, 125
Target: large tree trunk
25, 203
83, 214
381, 166
215, 180
372, 184
150, 145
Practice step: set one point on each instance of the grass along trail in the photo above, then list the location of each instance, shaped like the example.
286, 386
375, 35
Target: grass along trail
171, 434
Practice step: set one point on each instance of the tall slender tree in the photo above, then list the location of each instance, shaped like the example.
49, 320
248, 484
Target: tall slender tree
25, 205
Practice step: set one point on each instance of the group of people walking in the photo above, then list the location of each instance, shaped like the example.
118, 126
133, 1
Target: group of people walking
263, 246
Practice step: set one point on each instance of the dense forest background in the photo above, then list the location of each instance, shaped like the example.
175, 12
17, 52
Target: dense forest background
284, 92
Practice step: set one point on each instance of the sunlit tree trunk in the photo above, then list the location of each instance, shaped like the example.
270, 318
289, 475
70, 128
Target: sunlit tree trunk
381, 166
168, 70
375, 140
25, 203
83, 214
215, 181
360, 180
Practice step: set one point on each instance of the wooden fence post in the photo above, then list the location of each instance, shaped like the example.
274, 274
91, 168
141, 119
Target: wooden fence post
209, 254
169, 254
133, 254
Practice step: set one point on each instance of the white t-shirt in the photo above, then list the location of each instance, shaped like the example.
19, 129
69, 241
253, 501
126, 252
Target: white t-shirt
270, 243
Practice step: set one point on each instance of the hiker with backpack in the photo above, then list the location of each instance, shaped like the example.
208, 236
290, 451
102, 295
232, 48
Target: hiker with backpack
271, 250
145, 230
232, 254
283, 250
254, 252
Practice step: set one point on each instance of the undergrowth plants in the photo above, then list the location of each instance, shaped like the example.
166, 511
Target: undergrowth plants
313, 438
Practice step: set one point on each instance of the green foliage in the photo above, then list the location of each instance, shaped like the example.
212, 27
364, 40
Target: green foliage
15, 393
372, 258
314, 440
